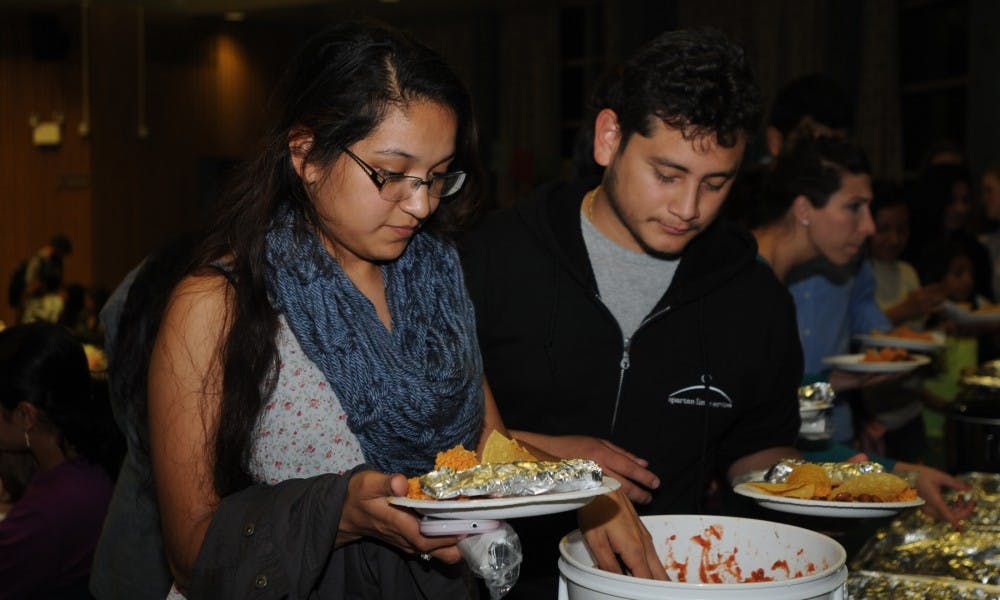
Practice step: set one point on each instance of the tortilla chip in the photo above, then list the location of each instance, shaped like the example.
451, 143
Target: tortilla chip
810, 473
499, 449
774, 488
884, 486
805, 492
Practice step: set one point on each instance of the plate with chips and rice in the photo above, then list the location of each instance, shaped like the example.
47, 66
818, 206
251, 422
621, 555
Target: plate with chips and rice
905, 338
526, 486
881, 361
809, 490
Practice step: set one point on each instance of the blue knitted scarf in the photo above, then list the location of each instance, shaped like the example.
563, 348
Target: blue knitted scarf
408, 393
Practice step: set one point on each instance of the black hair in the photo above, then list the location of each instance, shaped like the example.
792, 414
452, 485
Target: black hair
744, 196
817, 96
339, 88
16, 471
936, 191
939, 255
696, 81
60, 242
42, 364
810, 167
887, 194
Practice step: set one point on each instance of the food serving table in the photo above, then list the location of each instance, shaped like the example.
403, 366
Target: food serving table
914, 556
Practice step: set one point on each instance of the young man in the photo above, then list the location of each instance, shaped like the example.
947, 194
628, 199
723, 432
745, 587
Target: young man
623, 323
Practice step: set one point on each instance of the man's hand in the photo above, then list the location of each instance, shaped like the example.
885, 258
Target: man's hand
627, 468
842, 381
930, 482
613, 531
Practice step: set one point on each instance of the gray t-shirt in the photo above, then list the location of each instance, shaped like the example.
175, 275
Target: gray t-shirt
629, 283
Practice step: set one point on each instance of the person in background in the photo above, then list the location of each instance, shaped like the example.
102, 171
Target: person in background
51, 408
898, 291
16, 470
816, 203
894, 423
951, 265
80, 311
942, 211
833, 302
813, 102
606, 314
41, 298
990, 201
129, 563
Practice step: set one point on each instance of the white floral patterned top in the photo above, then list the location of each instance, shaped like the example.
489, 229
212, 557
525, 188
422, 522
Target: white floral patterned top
302, 430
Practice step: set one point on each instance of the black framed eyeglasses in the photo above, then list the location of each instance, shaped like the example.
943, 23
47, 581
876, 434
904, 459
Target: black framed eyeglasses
396, 187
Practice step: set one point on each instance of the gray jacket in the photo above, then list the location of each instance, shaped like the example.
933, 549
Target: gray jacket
278, 542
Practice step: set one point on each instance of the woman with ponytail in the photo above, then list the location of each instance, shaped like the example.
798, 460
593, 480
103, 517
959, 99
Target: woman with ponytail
51, 408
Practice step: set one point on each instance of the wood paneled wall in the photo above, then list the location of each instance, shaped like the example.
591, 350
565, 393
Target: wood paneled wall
117, 194
205, 93
206, 88
42, 190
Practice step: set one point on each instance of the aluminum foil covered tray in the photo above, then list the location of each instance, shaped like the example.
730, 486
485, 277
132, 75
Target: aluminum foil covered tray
862, 585
915, 544
513, 479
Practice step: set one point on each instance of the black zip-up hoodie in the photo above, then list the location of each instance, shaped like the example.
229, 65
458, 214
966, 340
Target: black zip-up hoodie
710, 376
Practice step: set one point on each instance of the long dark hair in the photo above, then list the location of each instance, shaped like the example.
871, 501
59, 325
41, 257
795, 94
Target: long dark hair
42, 364
339, 88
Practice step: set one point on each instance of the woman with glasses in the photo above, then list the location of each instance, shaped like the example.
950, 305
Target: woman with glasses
323, 346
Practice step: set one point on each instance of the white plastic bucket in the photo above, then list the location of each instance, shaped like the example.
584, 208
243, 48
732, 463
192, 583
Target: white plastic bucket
747, 544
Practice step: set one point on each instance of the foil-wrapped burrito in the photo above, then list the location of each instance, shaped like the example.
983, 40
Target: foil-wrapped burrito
526, 478
815, 394
839, 472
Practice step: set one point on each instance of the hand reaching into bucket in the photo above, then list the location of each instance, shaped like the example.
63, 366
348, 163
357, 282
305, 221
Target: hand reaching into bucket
618, 538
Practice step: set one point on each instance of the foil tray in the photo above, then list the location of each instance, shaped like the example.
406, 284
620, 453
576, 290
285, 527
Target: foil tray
862, 585
918, 557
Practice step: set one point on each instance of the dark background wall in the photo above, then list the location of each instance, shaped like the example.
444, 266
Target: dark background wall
173, 95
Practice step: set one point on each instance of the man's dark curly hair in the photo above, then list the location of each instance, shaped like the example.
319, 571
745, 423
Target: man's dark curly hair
697, 81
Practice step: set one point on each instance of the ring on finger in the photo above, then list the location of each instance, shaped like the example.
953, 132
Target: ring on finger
424, 556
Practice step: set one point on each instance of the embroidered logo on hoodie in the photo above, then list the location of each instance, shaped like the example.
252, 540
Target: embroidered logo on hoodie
700, 395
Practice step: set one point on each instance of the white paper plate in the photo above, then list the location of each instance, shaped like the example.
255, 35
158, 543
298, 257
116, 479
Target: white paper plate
888, 341
810, 410
508, 508
964, 316
825, 508
853, 362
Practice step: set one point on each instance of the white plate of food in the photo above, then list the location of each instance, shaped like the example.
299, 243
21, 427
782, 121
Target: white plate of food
507, 508
825, 508
963, 315
923, 341
856, 363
